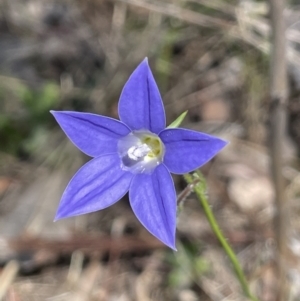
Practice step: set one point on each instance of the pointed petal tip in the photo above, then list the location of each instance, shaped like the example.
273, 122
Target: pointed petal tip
224, 143
193, 148
58, 217
172, 246
55, 113
169, 242
159, 215
140, 104
63, 213
60, 214
145, 63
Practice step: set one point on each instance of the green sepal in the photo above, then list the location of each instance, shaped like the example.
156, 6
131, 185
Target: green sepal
177, 122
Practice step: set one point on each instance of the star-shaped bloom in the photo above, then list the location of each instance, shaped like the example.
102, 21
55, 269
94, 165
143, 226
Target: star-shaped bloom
137, 154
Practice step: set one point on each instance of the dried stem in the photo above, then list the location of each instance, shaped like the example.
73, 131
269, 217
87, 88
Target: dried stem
278, 103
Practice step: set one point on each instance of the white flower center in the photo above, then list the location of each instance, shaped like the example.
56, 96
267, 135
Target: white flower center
140, 151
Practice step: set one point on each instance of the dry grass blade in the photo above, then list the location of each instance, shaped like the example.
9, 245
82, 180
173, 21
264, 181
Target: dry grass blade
7, 277
246, 30
182, 14
75, 269
86, 282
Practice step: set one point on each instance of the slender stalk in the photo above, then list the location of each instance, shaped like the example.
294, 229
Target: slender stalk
278, 132
200, 190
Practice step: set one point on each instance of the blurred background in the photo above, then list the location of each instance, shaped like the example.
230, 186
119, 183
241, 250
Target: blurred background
210, 57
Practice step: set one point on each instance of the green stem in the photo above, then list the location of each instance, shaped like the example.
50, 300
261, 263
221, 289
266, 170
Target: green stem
200, 190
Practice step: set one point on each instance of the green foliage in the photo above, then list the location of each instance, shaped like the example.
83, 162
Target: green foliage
200, 8
25, 116
41, 101
187, 266
165, 54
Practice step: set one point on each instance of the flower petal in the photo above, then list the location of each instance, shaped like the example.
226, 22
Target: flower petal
153, 200
98, 184
187, 150
93, 134
140, 105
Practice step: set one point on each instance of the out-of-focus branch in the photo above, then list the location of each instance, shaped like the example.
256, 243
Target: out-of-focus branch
181, 13
278, 120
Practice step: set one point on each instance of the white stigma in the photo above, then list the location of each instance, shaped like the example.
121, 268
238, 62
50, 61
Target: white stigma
140, 152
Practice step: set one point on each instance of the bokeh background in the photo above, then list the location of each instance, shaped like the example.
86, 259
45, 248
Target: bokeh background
210, 57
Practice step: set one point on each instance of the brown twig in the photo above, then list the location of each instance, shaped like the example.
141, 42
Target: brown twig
186, 192
88, 244
278, 116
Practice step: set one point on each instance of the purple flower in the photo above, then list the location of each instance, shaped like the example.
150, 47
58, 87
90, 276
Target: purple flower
135, 154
